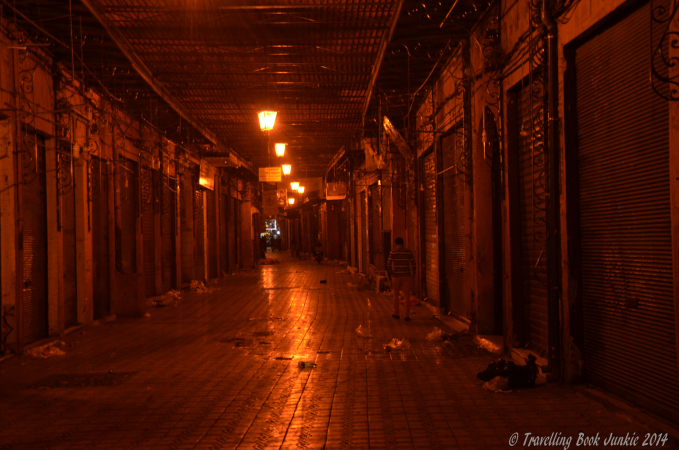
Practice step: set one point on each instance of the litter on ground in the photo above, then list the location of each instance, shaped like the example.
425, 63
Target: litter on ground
435, 335
396, 344
517, 376
361, 333
199, 286
497, 384
44, 352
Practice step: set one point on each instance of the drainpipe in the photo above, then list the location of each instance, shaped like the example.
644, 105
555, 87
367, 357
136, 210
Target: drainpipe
552, 175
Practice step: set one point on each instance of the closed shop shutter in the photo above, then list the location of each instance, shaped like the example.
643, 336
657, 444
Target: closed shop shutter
148, 230
375, 229
224, 233
211, 244
624, 195
185, 225
34, 211
167, 233
454, 224
533, 227
431, 248
363, 233
126, 250
199, 236
233, 256
100, 242
70, 261
342, 230
237, 228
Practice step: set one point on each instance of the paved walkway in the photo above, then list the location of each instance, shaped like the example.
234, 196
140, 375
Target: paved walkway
220, 370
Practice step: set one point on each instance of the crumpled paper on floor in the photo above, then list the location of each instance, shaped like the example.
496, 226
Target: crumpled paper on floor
497, 384
361, 333
396, 344
435, 335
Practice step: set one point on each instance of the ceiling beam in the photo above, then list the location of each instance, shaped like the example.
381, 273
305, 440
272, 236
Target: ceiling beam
380, 56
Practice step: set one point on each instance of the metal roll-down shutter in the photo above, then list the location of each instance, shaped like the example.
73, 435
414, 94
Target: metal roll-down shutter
126, 250
70, 260
431, 249
100, 238
211, 244
34, 211
454, 224
167, 233
624, 196
199, 236
533, 227
375, 230
363, 232
148, 230
224, 233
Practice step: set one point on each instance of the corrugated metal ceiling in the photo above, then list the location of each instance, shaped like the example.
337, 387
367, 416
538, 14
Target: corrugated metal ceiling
311, 62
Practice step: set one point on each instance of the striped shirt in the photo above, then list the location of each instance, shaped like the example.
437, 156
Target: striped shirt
401, 262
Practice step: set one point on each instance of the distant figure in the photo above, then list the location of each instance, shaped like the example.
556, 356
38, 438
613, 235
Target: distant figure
262, 245
293, 247
401, 268
276, 244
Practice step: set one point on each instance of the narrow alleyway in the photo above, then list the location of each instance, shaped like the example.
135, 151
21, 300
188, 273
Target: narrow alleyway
220, 370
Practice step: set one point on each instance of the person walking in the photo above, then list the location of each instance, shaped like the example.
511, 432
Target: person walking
401, 269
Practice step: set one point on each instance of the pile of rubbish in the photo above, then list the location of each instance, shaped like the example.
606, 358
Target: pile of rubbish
501, 375
439, 335
166, 298
199, 286
45, 351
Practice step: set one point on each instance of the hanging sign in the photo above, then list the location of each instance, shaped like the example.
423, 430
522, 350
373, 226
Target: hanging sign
270, 203
335, 191
269, 174
207, 175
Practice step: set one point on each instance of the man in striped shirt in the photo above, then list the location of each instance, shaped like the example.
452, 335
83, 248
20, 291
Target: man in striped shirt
401, 268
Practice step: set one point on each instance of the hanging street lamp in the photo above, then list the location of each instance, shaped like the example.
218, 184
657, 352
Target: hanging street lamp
267, 120
280, 149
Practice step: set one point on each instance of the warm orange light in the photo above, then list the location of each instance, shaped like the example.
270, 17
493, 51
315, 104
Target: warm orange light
294, 185
267, 120
291, 201
280, 149
287, 168
301, 190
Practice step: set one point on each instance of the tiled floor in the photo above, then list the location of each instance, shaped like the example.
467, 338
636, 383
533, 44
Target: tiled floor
220, 370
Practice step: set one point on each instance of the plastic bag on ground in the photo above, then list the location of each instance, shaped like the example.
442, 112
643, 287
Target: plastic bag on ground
396, 344
435, 335
362, 333
497, 384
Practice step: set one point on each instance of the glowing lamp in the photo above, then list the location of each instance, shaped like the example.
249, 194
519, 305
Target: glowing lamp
291, 201
301, 190
287, 168
266, 120
280, 149
294, 185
